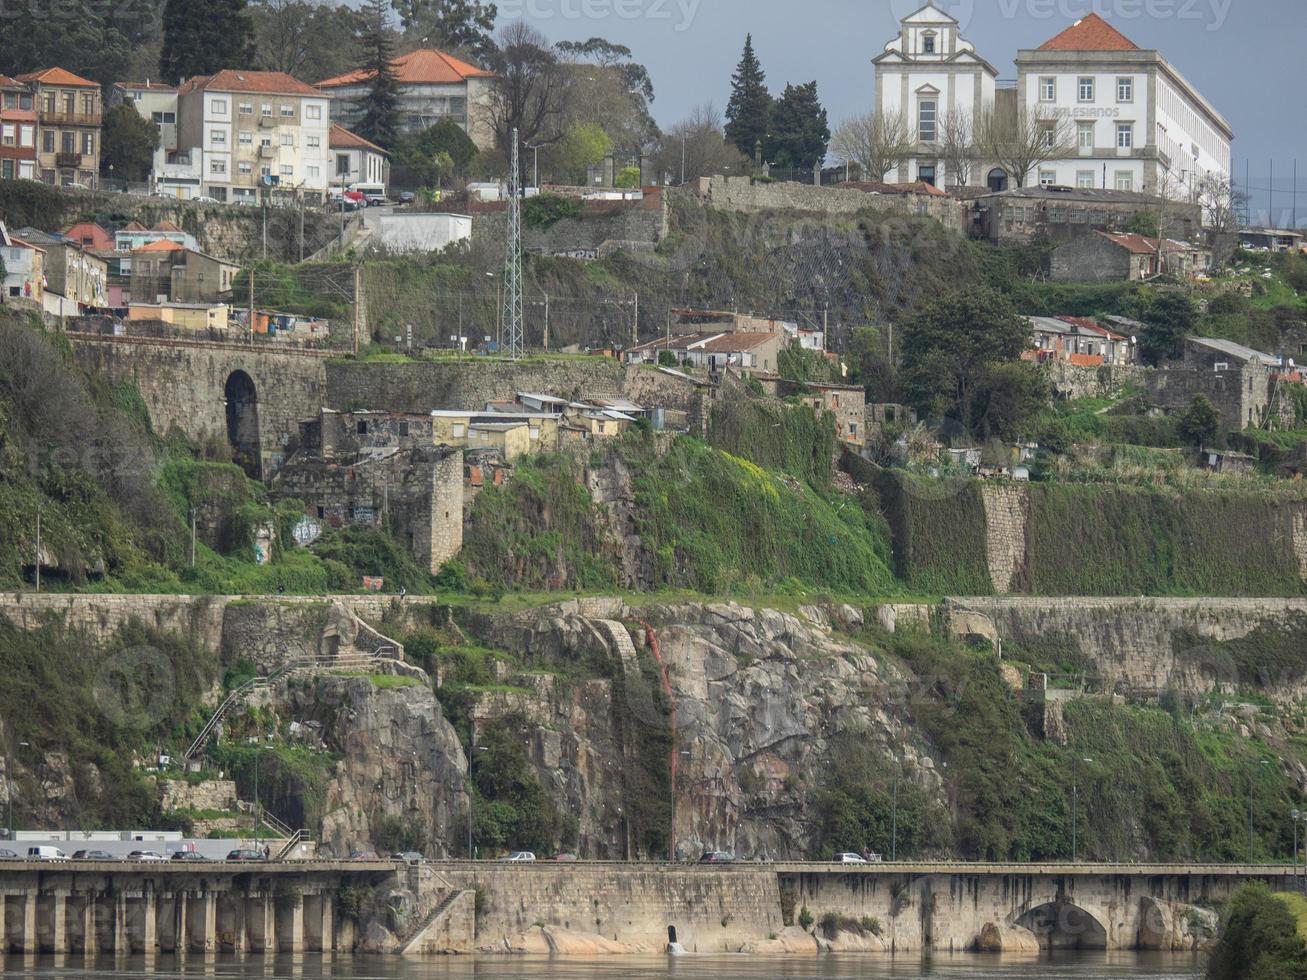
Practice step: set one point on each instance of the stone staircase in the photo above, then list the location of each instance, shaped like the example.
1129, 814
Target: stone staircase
458, 902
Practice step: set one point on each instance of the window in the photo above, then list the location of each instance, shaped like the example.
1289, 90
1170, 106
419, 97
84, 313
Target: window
164, 118
247, 108
403, 428
1086, 90
1085, 136
1048, 90
288, 111
218, 136
11, 100
219, 107
70, 103
1050, 135
1125, 90
362, 427
287, 139
458, 430
1125, 136
49, 102
1047, 178
313, 142
9, 134
47, 141
66, 143
926, 111
311, 171
287, 170
245, 168
926, 174
1125, 180
88, 144
265, 109
313, 112
217, 166
1085, 179
88, 104
928, 43
245, 138
265, 141
25, 102
342, 164
27, 135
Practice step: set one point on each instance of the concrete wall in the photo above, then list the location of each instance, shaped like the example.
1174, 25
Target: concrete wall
742, 194
417, 231
1090, 257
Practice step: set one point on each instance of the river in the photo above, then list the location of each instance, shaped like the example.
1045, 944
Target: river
1064, 966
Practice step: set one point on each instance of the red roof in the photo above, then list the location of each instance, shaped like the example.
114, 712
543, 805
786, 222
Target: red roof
260, 82
343, 139
162, 245
1086, 324
1141, 244
425, 66
1090, 34
57, 76
7, 82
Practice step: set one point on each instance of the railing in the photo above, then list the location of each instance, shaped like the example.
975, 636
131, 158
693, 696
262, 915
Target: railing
64, 159
292, 842
69, 118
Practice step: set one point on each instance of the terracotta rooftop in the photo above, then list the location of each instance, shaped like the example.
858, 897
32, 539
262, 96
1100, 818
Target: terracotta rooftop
1143, 245
259, 82
57, 76
162, 245
423, 66
134, 226
1090, 34
343, 139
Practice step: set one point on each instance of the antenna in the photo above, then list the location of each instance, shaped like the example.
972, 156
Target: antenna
513, 337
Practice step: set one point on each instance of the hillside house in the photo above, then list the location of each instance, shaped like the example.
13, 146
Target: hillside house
848, 403
1236, 379
1063, 214
713, 352
135, 235
24, 269
72, 271
1271, 239
1113, 257
1078, 341
191, 316
17, 130
165, 270
356, 160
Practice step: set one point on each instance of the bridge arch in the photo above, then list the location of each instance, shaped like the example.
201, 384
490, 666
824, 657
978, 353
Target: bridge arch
1060, 924
241, 398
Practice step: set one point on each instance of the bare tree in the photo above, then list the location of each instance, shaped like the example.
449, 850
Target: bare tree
1221, 203
528, 90
877, 142
957, 146
1021, 141
697, 147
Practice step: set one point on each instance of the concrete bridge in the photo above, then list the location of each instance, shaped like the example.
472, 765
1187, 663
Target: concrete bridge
99, 907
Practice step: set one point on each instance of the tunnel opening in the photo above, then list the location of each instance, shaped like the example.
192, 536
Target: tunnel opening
1061, 925
243, 423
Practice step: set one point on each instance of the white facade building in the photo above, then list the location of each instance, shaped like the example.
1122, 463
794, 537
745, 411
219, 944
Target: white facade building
356, 160
928, 74
1137, 124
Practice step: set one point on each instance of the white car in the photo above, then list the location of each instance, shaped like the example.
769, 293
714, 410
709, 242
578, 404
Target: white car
204, 199
848, 857
518, 857
146, 856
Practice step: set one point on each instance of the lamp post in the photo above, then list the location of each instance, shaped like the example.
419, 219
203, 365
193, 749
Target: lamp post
472, 750
1075, 806
894, 817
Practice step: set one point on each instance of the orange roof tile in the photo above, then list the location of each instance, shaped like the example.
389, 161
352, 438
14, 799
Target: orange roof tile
423, 66
1090, 34
134, 226
162, 245
263, 82
343, 139
57, 76
7, 82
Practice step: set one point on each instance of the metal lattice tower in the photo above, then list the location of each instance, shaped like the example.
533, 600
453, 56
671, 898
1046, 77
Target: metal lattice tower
514, 340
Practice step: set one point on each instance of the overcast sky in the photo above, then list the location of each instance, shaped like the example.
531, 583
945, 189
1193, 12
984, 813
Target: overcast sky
1246, 56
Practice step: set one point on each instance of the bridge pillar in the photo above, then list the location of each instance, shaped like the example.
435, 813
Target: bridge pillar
170, 918
290, 923
122, 944
261, 923
328, 922
27, 939
233, 934
59, 922
202, 922
319, 923
87, 943
143, 923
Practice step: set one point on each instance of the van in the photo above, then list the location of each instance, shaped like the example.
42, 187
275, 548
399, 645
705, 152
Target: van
46, 853
374, 194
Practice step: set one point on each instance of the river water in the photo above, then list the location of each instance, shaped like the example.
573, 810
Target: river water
1063, 966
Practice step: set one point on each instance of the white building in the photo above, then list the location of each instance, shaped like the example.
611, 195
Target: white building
1138, 125
356, 160
23, 268
176, 171
928, 74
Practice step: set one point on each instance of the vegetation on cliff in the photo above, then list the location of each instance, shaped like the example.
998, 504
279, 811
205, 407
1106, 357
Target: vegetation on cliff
1261, 937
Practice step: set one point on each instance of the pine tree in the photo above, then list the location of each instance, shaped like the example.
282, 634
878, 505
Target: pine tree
748, 114
202, 37
800, 132
380, 104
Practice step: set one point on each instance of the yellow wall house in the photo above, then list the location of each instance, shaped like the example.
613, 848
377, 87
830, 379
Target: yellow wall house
513, 439
193, 316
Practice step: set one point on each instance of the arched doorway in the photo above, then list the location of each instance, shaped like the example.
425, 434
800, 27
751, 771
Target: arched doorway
243, 423
1061, 925
997, 180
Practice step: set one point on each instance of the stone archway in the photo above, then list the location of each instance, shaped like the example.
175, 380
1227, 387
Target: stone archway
1064, 925
242, 401
997, 180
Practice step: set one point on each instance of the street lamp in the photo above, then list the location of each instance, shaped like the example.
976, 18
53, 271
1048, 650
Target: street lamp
894, 817
1075, 805
472, 750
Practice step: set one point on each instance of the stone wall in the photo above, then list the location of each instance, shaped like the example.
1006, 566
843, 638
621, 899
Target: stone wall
671, 390
743, 194
184, 385
603, 228
1006, 513
1074, 381
213, 794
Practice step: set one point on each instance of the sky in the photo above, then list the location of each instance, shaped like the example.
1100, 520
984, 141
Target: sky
1245, 56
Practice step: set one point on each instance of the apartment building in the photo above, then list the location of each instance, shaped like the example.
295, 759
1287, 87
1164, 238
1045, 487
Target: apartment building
175, 171
255, 129
434, 87
68, 126
1138, 125
17, 130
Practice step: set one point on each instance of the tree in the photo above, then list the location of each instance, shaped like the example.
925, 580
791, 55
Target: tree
1009, 398
127, 143
308, 40
695, 148
457, 25
527, 94
1170, 319
957, 146
602, 85
380, 103
877, 142
1200, 425
800, 131
100, 41
571, 157
748, 113
950, 347
1221, 204
1020, 141
202, 37
1259, 938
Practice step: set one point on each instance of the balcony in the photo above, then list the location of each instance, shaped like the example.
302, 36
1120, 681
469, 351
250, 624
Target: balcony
70, 118
267, 122
267, 152
67, 159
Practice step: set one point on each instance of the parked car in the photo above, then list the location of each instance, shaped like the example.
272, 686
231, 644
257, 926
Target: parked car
407, 197
7, 855
204, 199
566, 858
188, 856
412, 857
146, 856
244, 854
717, 857
93, 856
45, 853
849, 857
518, 857
357, 855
